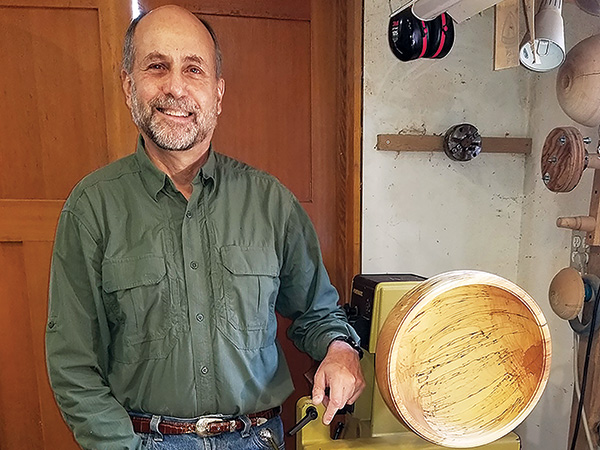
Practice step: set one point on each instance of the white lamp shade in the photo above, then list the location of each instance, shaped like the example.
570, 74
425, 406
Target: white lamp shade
548, 50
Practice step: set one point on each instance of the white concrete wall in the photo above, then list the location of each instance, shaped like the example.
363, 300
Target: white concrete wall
545, 249
426, 214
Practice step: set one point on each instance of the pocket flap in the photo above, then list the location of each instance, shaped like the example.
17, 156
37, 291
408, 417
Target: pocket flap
250, 260
131, 272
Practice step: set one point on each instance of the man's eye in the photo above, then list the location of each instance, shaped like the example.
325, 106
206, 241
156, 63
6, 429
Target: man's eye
195, 70
156, 66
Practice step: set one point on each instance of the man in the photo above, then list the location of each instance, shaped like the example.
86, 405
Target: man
168, 268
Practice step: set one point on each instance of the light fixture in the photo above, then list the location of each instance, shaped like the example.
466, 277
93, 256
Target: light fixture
546, 50
430, 9
459, 10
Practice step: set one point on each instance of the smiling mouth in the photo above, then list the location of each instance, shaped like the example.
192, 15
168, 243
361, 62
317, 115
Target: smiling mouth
174, 112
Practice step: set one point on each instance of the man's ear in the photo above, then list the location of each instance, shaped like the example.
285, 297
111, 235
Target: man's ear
220, 93
126, 83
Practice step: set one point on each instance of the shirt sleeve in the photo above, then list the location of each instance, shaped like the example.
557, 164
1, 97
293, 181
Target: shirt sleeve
77, 339
306, 294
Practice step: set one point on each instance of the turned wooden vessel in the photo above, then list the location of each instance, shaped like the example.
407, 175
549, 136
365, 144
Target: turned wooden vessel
578, 82
463, 358
567, 293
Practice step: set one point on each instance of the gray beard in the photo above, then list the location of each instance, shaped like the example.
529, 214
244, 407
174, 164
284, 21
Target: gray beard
169, 136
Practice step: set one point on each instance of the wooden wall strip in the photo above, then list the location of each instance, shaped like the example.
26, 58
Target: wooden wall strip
421, 143
354, 195
593, 238
28, 220
63, 4
120, 131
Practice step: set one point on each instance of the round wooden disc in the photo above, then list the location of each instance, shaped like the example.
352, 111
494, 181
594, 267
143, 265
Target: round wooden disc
463, 358
567, 293
563, 159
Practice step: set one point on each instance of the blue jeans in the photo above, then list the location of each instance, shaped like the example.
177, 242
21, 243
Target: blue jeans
258, 439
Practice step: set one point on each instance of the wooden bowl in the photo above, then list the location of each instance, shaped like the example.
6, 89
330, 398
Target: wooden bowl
463, 358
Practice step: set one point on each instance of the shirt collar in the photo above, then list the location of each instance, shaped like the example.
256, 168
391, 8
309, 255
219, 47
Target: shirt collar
207, 171
155, 179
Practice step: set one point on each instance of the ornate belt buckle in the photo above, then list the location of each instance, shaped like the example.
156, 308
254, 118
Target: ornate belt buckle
203, 424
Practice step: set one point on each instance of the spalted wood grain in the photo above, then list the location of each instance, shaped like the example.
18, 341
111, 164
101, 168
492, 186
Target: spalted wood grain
563, 159
463, 358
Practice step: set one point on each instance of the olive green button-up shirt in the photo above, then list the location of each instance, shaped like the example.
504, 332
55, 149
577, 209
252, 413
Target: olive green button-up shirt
167, 306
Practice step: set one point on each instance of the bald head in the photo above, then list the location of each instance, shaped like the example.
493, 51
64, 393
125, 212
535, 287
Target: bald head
165, 16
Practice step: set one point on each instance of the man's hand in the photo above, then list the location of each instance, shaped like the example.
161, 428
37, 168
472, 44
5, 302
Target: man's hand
340, 372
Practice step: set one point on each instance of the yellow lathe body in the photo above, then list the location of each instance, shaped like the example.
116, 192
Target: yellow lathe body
371, 425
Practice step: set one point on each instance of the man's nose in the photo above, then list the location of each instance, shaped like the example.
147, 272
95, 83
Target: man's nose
175, 84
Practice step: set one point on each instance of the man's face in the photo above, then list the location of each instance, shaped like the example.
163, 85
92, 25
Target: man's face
173, 91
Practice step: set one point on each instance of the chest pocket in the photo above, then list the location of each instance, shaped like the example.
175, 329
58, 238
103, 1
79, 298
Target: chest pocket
138, 297
250, 285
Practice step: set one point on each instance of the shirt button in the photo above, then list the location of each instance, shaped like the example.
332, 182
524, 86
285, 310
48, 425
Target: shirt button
199, 317
194, 265
188, 214
204, 370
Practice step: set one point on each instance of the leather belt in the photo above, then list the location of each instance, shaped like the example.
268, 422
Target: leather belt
203, 426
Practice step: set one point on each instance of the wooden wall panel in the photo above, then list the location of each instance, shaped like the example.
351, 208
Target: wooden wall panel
36, 257
32, 420
266, 119
54, 84
18, 383
28, 220
64, 116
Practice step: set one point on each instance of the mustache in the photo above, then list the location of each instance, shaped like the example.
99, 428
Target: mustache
170, 102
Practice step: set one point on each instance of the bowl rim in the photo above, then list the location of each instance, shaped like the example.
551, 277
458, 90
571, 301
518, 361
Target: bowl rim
432, 288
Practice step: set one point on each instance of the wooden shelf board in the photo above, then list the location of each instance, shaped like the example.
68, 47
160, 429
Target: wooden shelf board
424, 143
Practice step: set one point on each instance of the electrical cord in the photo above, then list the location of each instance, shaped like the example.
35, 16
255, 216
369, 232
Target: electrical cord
586, 428
585, 370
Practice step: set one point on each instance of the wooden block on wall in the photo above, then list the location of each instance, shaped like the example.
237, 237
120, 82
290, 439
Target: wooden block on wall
506, 35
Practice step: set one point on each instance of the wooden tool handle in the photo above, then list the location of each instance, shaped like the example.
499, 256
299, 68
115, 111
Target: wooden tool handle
585, 223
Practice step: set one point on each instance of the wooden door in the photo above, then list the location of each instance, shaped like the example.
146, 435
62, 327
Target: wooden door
63, 112
292, 107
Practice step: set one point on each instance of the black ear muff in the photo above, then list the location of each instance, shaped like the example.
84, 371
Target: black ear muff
411, 38
405, 35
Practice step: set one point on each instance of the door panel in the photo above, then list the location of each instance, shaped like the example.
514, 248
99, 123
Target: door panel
266, 108
57, 98
19, 387
65, 112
